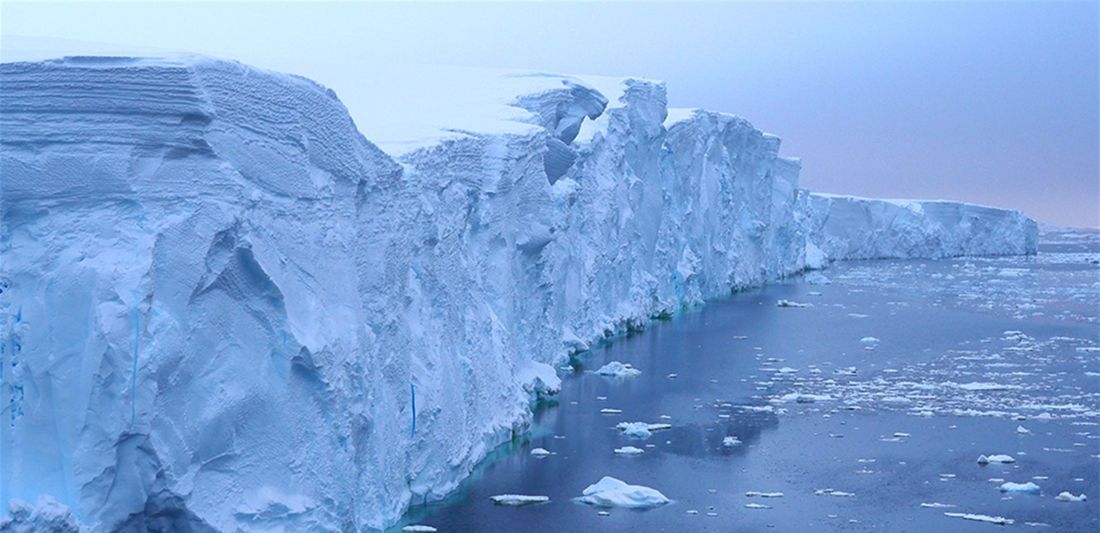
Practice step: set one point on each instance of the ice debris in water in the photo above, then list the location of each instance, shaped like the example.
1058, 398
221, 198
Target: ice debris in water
730, 441
757, 506
640, 430
1025, 488
832, 492
1022, 430
753, 493
516, 500
869, 340
540, 452
617, 369
1000, 520
995, 458
629, 450
418, 528
790, 303
612, 492
1066, 496
936, 505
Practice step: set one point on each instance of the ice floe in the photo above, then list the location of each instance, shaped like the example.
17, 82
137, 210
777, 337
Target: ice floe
618, 370
1066, 496
1024, 488
516, 500
1000, 520
612, 492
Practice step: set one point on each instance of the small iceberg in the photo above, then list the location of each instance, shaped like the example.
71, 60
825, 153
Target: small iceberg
757, 506
996, 458
1025, 488
611, 492
629, 450
540, 452
418, 528
869, 340
616, 369
753, 493
730, 441
791, 303
999, 520
640, 430
516, 500
1066, 496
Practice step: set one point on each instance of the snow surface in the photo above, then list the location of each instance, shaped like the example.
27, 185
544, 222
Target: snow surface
612, 492
224, 307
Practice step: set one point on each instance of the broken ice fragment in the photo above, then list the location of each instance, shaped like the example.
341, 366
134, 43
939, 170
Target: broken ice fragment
1025, 488
616, 369
516, 500
611, 492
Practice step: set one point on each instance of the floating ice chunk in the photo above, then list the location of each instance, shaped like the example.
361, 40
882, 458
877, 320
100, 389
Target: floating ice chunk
1000, 520
1069, 497
995, 458
978, 386
757, 506
611, 492
617, 369
832, 492
640, 430
1022, 430
730, 441
869, 340
1025, 488
753, 493
610, 411
790, 303
858, 315
418, 528
540, 452
516, 500
936, 505
787, 370
629, 450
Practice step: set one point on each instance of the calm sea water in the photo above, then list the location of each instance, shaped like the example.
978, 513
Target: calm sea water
973, 356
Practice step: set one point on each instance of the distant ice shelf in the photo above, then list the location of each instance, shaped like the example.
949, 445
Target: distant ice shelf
224, 308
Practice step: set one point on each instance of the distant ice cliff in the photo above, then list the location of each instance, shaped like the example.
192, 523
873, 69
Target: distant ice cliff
224, 308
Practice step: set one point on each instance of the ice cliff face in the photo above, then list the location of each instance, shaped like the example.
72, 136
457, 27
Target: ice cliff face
223, 308
847, 227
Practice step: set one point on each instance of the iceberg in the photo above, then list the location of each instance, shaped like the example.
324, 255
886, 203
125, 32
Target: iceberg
1024, 488
612, 492
226, 307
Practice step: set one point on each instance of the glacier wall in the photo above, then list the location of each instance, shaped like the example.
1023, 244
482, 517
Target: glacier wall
223, 308
848, 227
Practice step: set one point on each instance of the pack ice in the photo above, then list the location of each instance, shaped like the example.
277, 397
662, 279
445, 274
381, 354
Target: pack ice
224, 308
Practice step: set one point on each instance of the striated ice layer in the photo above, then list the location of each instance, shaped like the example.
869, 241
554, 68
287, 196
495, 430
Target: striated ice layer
224, 308
849, 227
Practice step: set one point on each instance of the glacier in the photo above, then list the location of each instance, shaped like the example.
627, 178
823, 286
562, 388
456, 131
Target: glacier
224, 308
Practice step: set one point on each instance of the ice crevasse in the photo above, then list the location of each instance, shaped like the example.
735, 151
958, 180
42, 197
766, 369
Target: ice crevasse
221, 302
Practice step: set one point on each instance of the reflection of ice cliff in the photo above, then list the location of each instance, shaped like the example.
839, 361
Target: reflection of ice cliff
221, 302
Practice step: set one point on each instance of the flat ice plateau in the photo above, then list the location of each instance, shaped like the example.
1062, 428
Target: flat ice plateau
224, 308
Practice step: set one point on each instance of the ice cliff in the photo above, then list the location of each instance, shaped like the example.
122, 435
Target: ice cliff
223, 308
847, 227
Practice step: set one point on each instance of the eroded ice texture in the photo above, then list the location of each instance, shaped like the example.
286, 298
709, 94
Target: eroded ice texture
224, 307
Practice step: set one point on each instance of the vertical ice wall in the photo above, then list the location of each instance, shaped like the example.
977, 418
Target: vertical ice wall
219, 300
849, 227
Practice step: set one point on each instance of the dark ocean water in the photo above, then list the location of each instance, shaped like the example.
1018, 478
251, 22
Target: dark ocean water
968, 351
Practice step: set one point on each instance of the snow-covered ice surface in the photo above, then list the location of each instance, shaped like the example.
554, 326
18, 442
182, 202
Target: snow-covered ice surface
224, 307
891, 437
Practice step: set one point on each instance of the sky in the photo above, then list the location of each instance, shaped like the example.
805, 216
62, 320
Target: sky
996, 103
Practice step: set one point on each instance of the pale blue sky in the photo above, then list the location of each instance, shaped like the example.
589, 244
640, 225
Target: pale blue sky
995, 103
